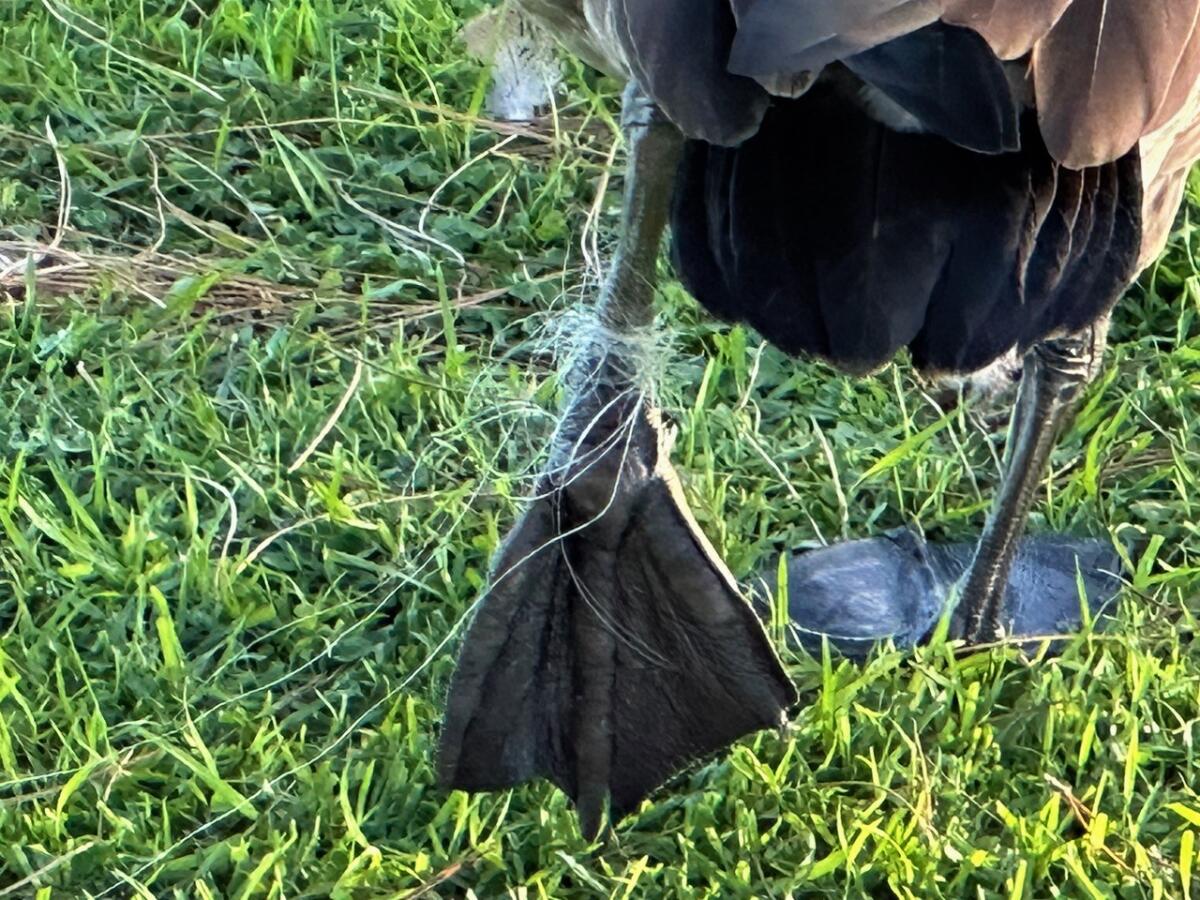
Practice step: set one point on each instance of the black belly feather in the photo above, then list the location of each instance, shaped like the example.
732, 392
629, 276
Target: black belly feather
836, 236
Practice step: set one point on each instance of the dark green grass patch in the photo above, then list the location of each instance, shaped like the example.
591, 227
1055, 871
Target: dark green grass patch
274, 382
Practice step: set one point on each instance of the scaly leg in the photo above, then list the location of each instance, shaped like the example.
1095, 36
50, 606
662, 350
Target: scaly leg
1055, 373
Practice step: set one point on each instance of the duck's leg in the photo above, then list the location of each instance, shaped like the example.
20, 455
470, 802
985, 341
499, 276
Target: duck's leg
1055, 372
895, 586
612, 646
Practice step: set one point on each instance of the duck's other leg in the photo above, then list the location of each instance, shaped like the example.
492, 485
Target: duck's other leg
612, 646
895, 586
1055, 372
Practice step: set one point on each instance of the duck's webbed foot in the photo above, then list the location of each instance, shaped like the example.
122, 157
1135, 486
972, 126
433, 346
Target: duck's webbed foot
613, 647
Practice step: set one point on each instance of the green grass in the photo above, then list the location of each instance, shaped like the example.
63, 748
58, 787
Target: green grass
274, 382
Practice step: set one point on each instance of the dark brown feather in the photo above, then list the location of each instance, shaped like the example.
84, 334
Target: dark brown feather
868, 240
678, 51
783, 37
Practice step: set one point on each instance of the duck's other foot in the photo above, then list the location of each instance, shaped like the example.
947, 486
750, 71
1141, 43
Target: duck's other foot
896, 587
612, 647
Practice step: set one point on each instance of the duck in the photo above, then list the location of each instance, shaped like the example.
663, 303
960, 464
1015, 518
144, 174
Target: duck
960, 180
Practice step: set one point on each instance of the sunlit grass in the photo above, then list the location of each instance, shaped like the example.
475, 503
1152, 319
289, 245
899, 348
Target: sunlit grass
276, 375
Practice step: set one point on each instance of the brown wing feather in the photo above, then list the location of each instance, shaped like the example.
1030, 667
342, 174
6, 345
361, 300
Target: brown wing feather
1168, 154
1104, 72
1011, 27
1187, 71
